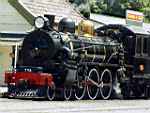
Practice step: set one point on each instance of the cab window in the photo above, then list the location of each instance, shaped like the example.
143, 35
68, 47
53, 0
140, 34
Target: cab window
142, 46
138, 45
145, 45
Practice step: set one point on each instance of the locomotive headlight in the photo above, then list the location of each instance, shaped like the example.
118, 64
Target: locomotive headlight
39, 22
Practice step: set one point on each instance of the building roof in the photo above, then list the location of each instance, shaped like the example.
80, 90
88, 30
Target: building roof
59, 8
11, 38
139, 30
106, 20
10, 19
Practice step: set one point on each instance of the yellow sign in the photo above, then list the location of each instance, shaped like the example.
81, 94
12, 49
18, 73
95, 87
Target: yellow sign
134, 18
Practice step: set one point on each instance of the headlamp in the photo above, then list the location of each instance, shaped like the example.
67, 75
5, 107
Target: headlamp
39, 22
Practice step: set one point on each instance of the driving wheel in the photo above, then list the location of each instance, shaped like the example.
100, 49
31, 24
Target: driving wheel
106, 84
51, 92
67, 93
80, 83
92, 84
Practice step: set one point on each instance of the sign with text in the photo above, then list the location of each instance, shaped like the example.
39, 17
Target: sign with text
134, 18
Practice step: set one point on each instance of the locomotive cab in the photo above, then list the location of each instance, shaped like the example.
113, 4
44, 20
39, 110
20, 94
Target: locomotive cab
142, 54
141, 77
138, 56
135, 41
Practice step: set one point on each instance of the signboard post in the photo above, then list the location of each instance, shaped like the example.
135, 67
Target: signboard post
134, 18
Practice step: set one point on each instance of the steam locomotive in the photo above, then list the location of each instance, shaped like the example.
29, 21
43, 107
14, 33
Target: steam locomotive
59, 63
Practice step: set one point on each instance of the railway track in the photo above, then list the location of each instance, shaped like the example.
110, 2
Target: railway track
82, 106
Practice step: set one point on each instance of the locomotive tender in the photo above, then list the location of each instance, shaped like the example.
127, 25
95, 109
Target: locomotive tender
51, 62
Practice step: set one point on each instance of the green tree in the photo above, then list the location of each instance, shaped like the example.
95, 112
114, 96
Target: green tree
83, 6
94, 7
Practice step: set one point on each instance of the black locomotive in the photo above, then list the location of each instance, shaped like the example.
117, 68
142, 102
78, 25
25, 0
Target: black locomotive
99, 66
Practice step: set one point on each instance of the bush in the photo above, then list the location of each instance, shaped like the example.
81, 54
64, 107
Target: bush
94, 8
84, 10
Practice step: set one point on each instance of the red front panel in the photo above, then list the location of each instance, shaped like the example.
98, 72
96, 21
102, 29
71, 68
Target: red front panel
37, 79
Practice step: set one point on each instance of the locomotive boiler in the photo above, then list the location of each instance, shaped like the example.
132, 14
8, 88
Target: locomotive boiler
77, 65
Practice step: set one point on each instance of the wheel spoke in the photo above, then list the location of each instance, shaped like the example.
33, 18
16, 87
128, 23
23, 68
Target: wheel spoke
92, 82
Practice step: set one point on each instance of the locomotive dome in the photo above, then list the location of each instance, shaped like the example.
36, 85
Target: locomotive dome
66, 25
86, 28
